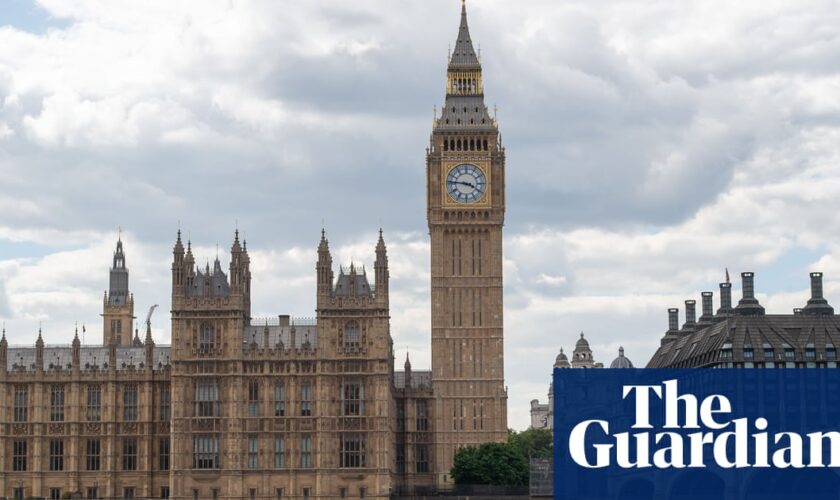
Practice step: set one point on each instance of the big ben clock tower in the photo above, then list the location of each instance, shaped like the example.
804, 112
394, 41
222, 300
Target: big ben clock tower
465, 168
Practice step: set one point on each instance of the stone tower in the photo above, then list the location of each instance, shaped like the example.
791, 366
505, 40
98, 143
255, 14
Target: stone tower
118, 304
465, 165
354, 335
210, 310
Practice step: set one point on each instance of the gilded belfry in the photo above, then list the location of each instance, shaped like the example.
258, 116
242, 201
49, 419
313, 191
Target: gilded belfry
465, 165
239, 407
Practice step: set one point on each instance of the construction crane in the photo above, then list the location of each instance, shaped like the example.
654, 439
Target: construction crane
149, 317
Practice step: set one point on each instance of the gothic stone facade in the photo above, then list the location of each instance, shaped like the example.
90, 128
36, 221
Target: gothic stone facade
240, 407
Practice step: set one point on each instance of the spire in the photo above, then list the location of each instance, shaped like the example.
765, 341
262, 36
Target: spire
727, 275
189, 259
380, 244
118, 279
148, 333
179, 247
323, 268
380, 268
324, 245
464, 55
119, 256
236, 247
407, 371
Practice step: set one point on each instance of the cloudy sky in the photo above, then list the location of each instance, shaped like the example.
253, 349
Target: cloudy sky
649, 145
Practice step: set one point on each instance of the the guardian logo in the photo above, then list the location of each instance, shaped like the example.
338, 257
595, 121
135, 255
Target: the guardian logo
695, 433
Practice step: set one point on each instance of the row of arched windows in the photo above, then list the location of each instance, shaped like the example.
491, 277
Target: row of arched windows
465, 144
464, 86
466, 215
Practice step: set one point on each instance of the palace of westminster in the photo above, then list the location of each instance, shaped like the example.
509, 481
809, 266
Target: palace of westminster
243, 408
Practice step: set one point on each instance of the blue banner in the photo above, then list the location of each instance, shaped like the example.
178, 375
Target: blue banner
739, 434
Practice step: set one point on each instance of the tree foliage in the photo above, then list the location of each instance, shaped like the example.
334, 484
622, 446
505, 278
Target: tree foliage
533, 443
501, 464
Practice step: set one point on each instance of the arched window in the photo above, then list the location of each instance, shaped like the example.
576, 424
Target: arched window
206, 338
352, 335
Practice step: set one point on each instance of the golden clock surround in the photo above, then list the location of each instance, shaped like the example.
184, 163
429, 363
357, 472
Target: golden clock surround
449, 164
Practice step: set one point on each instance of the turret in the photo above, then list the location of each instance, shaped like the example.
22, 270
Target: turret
77, 351
178, 270
239, 264
118, 306
149, 344
118, 283
380, 267
189, 268
4, 352
39, 352
324, 267
407, 372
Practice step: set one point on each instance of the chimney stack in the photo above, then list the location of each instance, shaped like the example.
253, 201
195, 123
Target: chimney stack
673, 319
748, 303
725, 298
816, 285
708, 311
690, 314
747, 285
817, 303
673, 332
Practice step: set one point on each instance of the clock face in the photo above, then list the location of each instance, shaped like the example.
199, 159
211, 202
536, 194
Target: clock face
466, 183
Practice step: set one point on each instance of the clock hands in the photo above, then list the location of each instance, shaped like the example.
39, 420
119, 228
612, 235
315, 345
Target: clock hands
462, 183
